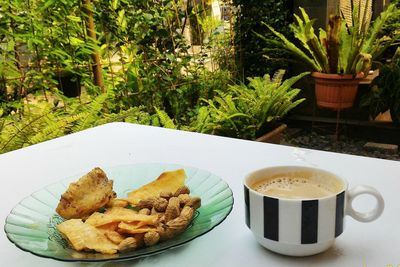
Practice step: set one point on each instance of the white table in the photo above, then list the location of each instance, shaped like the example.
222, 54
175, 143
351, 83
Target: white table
231, 243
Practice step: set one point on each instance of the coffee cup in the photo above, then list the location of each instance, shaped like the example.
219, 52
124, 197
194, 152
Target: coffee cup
299, 211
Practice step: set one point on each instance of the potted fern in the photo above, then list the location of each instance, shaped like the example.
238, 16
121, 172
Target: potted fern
249, 111
340, 56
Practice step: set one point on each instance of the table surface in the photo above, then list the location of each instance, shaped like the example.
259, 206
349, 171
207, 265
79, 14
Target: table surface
231, 243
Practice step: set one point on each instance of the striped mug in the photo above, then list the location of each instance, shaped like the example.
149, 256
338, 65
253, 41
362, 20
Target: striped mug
299, 211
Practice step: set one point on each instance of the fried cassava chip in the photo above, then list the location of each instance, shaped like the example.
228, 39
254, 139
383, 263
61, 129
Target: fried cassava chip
132, 228
83, 236
118, 214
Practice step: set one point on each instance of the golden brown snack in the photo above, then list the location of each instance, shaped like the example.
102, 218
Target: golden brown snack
145, 211
90, 193
166, 182
83, 236
117, 202
114, 236
118, 214
134, 228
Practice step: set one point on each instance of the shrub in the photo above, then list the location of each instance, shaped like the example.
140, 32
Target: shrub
245, 110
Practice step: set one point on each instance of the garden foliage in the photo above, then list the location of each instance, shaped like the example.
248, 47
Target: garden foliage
151, 73
246, 110
250, 50
343, 49
385, 90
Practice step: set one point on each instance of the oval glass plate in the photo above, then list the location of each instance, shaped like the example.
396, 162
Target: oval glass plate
31, 224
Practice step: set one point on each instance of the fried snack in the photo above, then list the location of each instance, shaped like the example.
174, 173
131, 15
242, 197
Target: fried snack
83, 236
117, 202
90, 193
134, 228
166, 182
113, 236
118, 214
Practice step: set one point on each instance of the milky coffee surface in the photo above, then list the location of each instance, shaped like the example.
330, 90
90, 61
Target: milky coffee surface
293, 187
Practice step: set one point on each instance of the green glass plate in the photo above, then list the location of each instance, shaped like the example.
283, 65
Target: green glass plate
31, 224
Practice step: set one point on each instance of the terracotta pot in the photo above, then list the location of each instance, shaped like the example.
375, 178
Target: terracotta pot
335, 91
275, 136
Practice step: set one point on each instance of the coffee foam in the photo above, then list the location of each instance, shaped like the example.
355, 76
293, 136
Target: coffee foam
295, 186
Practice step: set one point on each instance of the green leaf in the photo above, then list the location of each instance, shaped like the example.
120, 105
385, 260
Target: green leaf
114, 4
74, 18
293, 48
165, 120
76, 41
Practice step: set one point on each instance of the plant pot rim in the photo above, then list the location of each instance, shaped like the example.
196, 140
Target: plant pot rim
334, 76
274, 135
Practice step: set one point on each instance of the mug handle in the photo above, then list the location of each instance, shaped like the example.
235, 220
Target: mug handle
367, 216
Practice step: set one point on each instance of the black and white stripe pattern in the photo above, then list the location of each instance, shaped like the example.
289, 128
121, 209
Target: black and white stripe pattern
296, 222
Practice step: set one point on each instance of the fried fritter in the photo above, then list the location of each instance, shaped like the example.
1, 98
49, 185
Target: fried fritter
90, 193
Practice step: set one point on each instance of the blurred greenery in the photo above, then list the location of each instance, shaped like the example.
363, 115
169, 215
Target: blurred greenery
385, 90
152, 73
250, 50
245, 111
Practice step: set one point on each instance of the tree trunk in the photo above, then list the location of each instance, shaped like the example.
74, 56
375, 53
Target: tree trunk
96, 66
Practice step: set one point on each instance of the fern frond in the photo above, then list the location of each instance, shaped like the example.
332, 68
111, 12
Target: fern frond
15, 136
291, 81
292, 48
53, 129
90, 112
291, 106
278, 77
377, 27
165, 120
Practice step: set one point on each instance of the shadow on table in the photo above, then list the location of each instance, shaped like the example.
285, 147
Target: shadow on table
155, 260
334, 254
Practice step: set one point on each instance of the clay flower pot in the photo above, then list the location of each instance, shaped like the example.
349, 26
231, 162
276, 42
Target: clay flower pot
274, 136
336, 91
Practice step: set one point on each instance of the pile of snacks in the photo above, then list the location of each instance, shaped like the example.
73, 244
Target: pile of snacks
98, 221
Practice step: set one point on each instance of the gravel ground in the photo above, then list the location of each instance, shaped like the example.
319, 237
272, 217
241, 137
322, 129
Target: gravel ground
313, 140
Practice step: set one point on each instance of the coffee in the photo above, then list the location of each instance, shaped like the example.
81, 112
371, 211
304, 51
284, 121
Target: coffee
299, 211
295, 186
